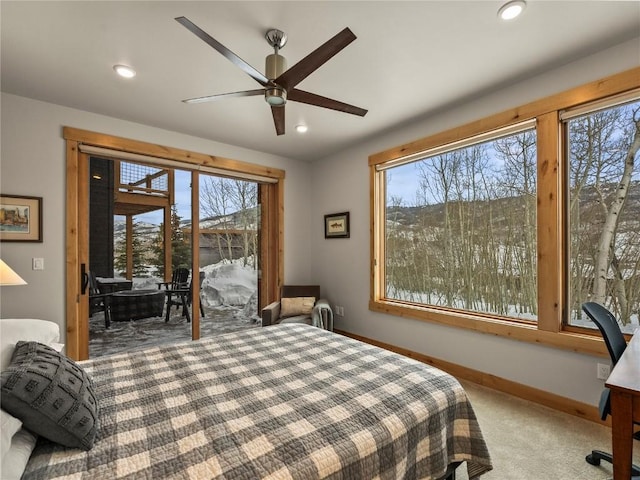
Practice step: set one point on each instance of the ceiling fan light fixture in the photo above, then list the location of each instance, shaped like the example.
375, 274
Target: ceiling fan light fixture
511, 10
124, 71
275, 96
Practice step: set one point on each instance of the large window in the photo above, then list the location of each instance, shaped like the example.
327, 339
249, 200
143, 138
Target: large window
604, 211
508, 224
460, 228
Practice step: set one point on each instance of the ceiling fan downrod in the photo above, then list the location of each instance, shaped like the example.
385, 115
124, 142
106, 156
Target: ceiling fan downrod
275, 65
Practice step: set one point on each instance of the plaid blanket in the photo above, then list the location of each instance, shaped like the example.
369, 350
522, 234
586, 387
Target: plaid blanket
282, 402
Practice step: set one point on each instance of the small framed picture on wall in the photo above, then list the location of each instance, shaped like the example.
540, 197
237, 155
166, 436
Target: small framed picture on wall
20, 218
336, 225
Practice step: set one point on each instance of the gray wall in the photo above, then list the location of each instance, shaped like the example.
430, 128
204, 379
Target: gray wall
33, 163
33, 160
342, 266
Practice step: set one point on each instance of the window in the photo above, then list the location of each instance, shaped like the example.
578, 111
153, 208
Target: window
604, 212
500, 225
460, 228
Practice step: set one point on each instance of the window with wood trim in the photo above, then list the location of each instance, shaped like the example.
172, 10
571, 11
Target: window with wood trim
478, 227
460, 227
603, 150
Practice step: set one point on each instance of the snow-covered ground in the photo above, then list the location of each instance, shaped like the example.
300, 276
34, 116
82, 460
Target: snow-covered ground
225, 284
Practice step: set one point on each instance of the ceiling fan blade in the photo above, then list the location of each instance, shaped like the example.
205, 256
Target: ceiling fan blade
305, 67
210, 98
278, 119
301, 96
248, 69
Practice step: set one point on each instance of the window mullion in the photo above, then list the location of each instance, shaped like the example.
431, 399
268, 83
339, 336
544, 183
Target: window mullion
550, 263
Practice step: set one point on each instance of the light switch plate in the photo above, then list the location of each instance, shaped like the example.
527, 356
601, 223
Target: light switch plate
38, 263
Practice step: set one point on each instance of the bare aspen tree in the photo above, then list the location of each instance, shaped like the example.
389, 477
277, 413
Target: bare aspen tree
603, 150
233, 205
215, 203
605, 253
518, 182
244, 198
436, 176
392, 236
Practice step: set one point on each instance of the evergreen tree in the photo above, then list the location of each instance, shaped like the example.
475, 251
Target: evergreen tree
139, 251
180, 247
157, 252
139, 267
120, 257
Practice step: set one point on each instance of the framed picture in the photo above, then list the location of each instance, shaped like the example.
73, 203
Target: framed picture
336, 225
20, 218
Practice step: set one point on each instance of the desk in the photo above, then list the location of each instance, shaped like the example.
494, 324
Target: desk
624, 383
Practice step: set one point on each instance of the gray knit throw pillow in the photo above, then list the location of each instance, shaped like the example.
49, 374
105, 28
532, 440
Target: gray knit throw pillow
51, 394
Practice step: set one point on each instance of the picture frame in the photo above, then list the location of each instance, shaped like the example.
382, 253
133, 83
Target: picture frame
336, 225
20, 218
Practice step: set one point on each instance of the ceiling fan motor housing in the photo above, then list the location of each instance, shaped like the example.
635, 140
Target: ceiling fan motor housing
275, 65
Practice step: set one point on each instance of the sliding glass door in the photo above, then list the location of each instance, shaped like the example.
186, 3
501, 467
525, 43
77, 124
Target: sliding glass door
134, 220
228, 254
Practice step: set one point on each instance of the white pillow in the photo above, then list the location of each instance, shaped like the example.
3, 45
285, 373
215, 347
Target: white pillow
18, 443
15, 461
9, 425
12, 330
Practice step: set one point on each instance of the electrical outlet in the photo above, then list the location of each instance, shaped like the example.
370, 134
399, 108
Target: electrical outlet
603, 371
339, 310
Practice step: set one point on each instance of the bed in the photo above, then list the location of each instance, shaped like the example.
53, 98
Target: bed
282, 402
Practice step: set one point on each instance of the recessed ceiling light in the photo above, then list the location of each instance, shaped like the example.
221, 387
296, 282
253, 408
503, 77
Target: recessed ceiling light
511, 10
124, 71
301, 128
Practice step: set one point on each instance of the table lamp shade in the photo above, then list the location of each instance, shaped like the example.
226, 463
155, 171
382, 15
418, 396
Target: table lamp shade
8, 276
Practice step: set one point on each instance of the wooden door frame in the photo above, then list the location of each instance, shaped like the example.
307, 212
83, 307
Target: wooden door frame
271, 228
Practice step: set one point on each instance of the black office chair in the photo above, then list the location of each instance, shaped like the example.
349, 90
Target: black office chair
616, 344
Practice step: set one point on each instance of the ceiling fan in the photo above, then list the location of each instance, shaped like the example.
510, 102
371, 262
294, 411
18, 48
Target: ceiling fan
278, 83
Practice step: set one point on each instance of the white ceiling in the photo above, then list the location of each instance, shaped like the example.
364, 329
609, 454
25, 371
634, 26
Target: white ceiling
410, 59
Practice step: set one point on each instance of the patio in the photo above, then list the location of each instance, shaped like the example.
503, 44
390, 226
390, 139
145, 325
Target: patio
146, 332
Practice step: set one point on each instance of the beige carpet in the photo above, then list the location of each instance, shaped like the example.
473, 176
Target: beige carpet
531, 442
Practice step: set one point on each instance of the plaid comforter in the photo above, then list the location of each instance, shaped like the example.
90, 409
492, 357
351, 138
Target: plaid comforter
282, 402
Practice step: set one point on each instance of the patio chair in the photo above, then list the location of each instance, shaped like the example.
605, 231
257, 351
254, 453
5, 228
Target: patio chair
97, 300
179, 279
181, 297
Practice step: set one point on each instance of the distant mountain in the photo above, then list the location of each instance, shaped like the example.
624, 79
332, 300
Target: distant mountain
149, 231
589, 201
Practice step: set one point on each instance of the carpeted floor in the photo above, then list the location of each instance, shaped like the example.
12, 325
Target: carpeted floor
146, 332
531, 442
